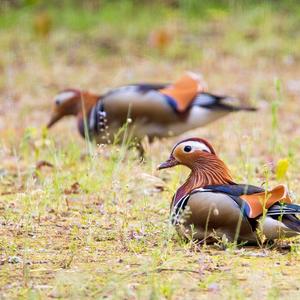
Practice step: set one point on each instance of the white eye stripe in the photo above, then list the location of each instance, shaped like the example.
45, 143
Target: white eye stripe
196, 146
60, 98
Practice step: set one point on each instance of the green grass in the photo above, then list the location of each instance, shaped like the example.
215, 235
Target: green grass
95, 225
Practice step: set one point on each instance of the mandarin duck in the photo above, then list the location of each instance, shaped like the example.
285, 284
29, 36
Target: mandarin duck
155, 110
210, 204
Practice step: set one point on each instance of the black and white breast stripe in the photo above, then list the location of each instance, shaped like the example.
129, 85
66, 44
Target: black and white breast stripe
97, 118
181, 204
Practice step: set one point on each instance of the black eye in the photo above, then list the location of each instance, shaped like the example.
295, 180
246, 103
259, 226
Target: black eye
57, 102
187, 149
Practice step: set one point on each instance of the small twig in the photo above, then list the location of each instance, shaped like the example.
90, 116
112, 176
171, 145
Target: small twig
176, 270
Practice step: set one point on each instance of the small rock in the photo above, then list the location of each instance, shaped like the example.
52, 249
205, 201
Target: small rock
14, 260
213, 287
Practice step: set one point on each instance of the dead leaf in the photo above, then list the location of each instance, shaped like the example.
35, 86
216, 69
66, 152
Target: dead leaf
43, 163
160, 38
42, 24
74, 189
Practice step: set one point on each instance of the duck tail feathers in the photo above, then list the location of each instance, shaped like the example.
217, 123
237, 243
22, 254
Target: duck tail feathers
233, 104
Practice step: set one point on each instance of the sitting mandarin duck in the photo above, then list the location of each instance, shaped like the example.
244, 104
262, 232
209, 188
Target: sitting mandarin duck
155, 110
210, 204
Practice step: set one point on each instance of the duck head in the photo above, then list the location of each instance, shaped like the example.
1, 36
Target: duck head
206, 167
72, 102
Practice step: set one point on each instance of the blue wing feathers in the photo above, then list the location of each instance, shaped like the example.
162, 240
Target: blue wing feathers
235, 189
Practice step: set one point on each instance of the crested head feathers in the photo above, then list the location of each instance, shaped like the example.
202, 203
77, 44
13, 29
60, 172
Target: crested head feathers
72, 102
206, 167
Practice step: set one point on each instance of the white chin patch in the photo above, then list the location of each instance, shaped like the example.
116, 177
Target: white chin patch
195, 146
64, 96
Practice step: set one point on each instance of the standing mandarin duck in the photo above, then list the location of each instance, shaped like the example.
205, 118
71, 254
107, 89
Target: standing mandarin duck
156, 110
210, 204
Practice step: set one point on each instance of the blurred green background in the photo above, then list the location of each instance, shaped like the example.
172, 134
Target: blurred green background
178, 29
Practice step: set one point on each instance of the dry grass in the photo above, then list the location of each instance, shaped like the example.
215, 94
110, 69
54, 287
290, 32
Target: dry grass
96, 225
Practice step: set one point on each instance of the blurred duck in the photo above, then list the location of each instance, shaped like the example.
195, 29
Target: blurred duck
210, 204
153, 110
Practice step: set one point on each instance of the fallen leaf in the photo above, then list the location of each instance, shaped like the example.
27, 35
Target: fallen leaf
43, 163
74, 189
160, 38
42, 24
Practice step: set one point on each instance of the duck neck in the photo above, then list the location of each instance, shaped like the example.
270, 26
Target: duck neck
85, 104
202, 174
